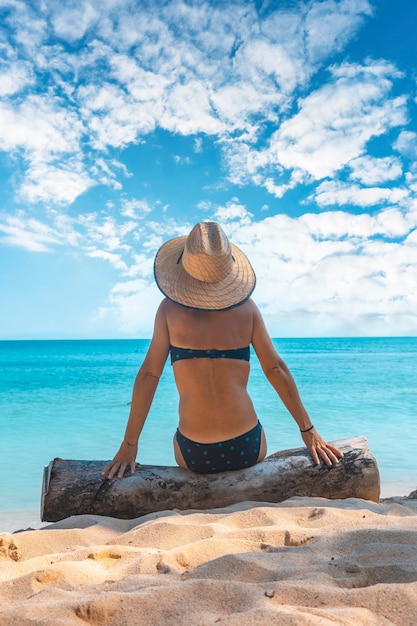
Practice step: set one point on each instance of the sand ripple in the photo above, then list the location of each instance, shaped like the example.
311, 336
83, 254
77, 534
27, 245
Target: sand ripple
301, 562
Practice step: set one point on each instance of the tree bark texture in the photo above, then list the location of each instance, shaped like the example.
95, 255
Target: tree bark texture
77, 487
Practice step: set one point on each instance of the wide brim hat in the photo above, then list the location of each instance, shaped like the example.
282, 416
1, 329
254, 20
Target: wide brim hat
204, 270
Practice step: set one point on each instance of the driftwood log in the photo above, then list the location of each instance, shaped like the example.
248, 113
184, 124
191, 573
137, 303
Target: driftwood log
77, 487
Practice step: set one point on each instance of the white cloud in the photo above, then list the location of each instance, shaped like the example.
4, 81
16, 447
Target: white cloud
267, 64
45, 181
113, 118
72, 22
44, 132
411, 178
142, 264
188, 110
340, 225
106, 172
30, 234
181, 160
39, 126
106, 233
330, 25
194, 69
233, 211
335, 122
114, 259
334, 193
406, 144
322, 274
133, 305
276, 190
135, 209
371, 171
198, 145
128, 245
331, 130
27, 26
327, 274
143, 84
17, 76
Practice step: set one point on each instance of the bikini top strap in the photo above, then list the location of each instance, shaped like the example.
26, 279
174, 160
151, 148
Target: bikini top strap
178, 354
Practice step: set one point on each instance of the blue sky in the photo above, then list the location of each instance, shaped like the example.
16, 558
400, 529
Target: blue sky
293, 124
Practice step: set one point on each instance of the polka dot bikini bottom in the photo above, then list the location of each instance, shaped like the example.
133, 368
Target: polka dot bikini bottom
233, 454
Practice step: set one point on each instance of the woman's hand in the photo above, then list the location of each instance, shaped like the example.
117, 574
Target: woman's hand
319, 448
125, 457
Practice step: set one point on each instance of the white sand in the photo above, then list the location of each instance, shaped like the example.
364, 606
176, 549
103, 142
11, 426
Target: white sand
305, 561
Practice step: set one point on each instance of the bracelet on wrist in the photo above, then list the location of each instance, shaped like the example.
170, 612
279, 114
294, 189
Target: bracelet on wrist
307, 429
130, 444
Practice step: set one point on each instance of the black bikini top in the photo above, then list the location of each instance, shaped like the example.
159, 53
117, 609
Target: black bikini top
178, 354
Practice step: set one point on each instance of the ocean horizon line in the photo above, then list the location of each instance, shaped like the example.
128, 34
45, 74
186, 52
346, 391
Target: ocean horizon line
282, 337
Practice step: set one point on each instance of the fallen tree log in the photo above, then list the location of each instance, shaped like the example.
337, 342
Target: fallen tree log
77, 487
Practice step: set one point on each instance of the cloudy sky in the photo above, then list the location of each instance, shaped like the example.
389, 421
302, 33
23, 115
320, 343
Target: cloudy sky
292, 123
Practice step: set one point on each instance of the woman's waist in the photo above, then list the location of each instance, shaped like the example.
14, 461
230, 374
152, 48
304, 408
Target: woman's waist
208, 381
210, 425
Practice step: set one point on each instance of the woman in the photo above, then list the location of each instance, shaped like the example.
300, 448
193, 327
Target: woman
206, 324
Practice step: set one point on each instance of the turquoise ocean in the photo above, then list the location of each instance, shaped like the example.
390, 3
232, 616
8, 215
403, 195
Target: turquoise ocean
70, 399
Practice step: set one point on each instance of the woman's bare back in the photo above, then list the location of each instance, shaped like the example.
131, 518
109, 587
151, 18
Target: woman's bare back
214, 404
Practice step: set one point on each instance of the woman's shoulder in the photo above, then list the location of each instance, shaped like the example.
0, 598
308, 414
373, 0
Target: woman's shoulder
166, 306
247, 307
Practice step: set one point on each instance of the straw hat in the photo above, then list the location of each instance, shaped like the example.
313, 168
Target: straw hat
204, 270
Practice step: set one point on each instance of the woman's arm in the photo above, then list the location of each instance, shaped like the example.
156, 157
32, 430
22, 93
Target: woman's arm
144, 388
282, 381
